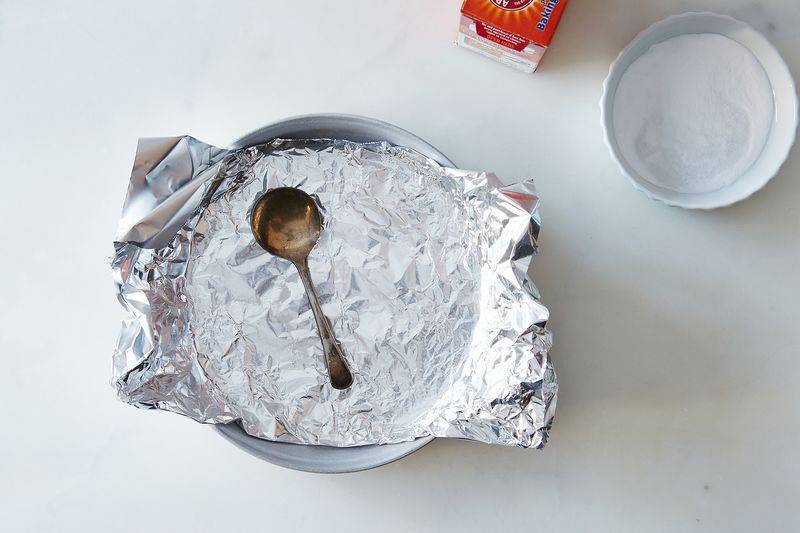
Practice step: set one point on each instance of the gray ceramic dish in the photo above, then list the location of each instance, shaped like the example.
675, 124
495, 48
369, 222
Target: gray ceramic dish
327, 459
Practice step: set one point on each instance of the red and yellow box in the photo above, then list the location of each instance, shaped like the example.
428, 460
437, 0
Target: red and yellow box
514, 32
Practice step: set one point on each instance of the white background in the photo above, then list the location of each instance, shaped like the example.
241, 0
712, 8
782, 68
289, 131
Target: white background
676, 332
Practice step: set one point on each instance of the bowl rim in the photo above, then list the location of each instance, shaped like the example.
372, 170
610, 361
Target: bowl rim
329, 459
713, 199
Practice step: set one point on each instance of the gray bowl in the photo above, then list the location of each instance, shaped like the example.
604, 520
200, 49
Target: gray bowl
328, 459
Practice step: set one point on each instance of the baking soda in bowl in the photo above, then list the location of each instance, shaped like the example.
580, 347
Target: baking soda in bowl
693, 113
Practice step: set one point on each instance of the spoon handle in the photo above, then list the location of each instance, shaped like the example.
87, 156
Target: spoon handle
340, 375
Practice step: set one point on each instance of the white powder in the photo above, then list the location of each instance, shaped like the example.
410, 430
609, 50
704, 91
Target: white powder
693, 113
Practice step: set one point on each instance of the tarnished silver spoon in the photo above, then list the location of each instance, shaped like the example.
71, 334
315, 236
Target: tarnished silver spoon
287, 224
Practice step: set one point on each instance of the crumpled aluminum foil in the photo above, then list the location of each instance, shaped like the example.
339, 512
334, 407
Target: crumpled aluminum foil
422, 270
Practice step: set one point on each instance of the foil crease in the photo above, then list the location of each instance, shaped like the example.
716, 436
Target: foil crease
422, 270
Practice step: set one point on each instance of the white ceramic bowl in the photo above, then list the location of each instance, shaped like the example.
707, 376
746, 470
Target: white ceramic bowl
781, 136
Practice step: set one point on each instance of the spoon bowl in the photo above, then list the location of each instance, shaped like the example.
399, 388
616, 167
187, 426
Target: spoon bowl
287, 223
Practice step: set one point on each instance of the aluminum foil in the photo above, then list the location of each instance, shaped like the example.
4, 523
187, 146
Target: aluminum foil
422, 270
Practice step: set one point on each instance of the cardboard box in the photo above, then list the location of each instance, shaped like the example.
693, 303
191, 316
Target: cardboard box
514, 32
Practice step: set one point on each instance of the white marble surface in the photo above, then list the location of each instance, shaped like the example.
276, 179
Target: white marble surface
677, 345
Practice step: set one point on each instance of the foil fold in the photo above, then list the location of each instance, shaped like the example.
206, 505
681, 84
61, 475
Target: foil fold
422, 270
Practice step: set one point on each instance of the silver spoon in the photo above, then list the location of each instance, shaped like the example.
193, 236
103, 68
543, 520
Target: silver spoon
287, 224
